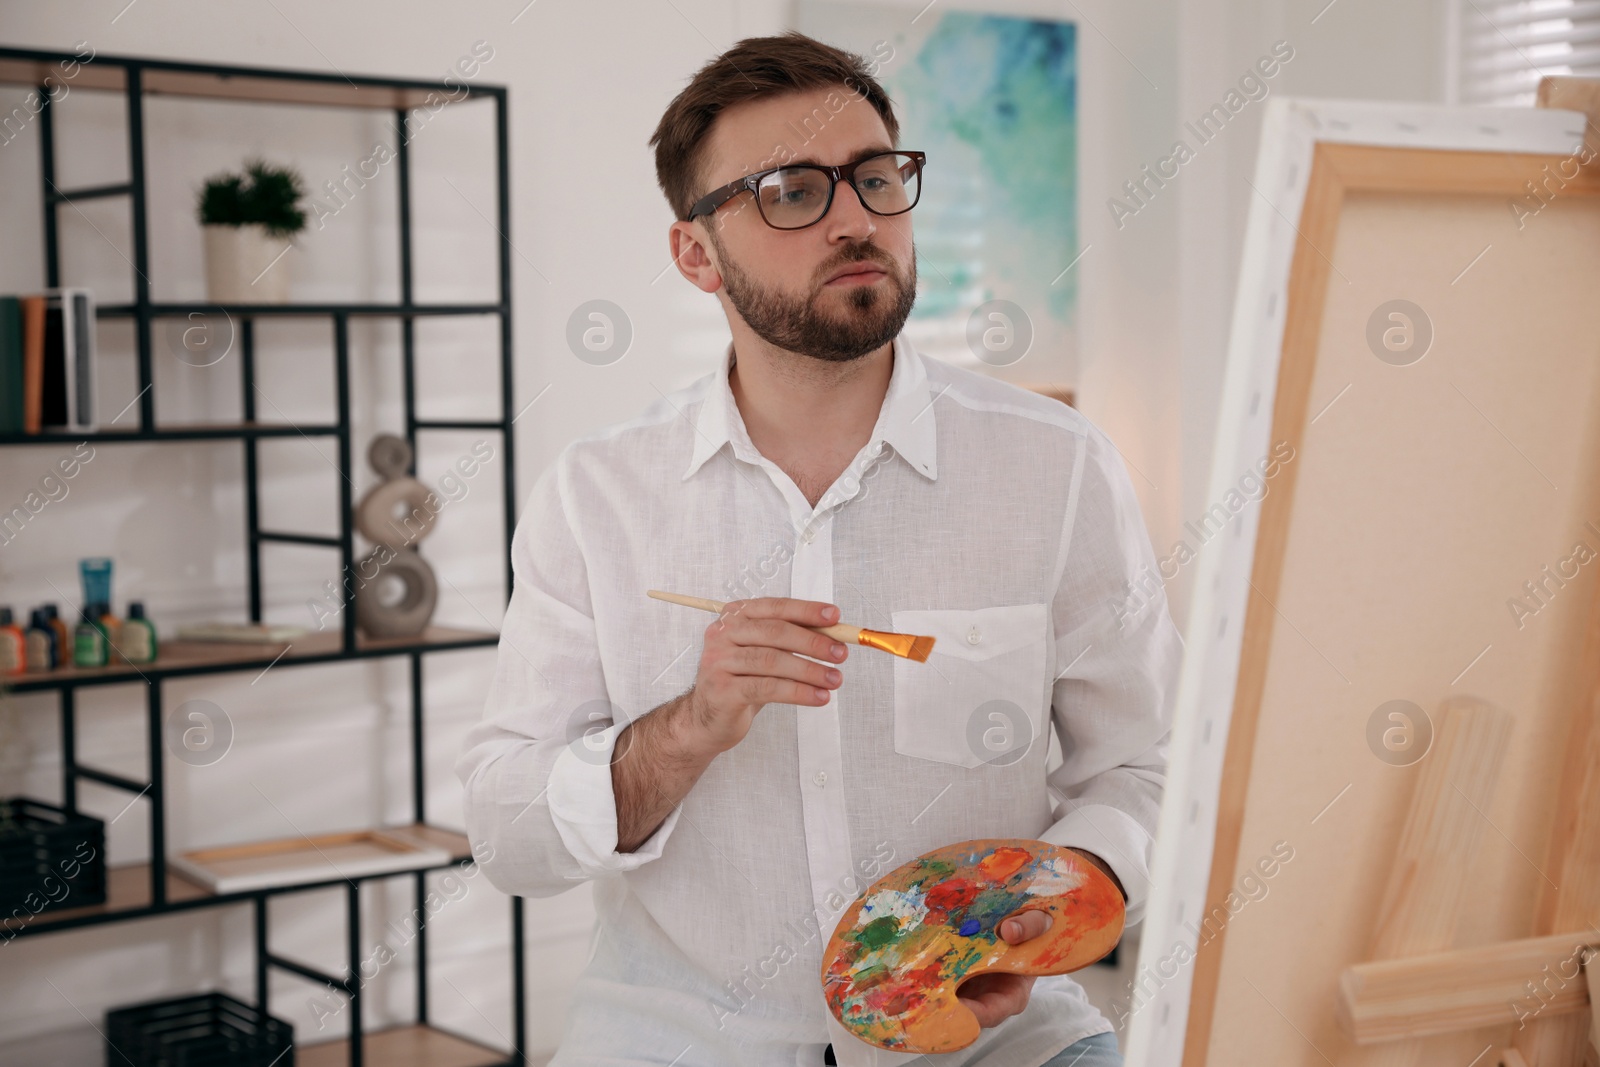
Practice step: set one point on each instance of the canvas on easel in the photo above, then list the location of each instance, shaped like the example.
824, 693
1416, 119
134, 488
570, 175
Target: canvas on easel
1416, 341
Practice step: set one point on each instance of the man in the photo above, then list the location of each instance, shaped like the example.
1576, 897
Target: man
730, 788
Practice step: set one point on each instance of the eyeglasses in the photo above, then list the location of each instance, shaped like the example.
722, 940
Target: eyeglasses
795, 196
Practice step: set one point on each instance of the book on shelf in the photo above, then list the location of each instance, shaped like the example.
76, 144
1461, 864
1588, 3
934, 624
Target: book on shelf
11, 389
47, 361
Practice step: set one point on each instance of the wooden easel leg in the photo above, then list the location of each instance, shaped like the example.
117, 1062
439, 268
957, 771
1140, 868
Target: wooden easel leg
1439, 845
1591, 971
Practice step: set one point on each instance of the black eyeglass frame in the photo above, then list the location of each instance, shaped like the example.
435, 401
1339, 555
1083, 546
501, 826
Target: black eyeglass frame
709, 203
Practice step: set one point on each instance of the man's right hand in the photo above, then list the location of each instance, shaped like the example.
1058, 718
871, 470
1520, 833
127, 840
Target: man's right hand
752, 657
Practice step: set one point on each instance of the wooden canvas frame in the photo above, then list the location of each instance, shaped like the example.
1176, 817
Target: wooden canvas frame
1312, 155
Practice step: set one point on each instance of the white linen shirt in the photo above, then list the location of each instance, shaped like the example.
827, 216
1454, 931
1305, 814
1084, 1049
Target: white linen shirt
999, 521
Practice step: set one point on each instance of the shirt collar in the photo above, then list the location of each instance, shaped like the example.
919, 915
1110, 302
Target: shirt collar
905, 422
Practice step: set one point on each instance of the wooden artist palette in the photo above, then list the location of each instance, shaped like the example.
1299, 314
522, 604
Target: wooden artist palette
891, 969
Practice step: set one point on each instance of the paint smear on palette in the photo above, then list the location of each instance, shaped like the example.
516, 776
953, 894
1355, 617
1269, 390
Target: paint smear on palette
891, 969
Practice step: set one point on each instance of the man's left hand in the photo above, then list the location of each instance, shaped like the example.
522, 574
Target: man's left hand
996, 996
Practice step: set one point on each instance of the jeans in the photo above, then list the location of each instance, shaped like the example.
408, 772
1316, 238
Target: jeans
1098, 1050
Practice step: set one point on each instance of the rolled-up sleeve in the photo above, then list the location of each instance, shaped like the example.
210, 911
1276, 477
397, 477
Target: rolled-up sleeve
540, 808
1118, 655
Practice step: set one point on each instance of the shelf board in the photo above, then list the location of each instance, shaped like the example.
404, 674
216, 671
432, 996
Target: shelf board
204, 431
179, 658
404, 1046
128, 889
20, 66
245, 311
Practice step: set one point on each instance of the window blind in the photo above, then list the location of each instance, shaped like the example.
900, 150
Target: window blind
1502, 50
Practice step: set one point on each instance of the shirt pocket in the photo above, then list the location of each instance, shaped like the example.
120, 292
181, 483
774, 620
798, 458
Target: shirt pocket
980, 697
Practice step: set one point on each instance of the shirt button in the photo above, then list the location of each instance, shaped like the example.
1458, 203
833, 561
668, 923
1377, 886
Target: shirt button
821, 777
973, 637
808, 536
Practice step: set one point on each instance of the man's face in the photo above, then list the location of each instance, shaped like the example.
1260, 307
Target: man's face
782, 282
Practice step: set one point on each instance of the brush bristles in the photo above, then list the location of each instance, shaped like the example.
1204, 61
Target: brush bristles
920, 648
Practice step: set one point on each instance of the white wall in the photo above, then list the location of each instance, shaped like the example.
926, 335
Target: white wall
1350, 49
588, 82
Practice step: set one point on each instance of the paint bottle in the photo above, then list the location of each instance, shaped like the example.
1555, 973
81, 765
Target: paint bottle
138, 642
13, 645
95, 573
52, 615
88, 642
41, 642
111, 626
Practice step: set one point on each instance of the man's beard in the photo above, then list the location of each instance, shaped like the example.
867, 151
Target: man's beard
871, 318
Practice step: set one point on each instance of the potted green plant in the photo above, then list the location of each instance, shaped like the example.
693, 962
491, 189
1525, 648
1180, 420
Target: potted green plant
250, 220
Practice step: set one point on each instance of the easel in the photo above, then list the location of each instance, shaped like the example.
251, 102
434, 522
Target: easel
1549, 985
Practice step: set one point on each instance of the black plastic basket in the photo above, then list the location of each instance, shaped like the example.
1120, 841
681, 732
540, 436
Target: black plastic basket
49, 858
207, 1030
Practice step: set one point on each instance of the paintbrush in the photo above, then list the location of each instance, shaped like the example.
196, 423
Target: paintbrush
908, 646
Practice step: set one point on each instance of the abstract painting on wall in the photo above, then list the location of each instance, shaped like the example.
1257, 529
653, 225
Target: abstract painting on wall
992, 100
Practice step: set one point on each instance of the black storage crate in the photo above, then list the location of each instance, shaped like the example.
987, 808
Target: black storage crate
49, 858
207, 1030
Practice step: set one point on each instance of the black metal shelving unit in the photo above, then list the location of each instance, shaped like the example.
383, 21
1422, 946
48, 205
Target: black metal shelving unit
144, 891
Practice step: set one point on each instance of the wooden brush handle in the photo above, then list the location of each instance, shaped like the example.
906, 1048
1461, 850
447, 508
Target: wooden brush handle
714, 606
839, 631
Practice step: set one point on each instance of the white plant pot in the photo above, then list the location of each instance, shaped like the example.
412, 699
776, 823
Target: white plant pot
246, 266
